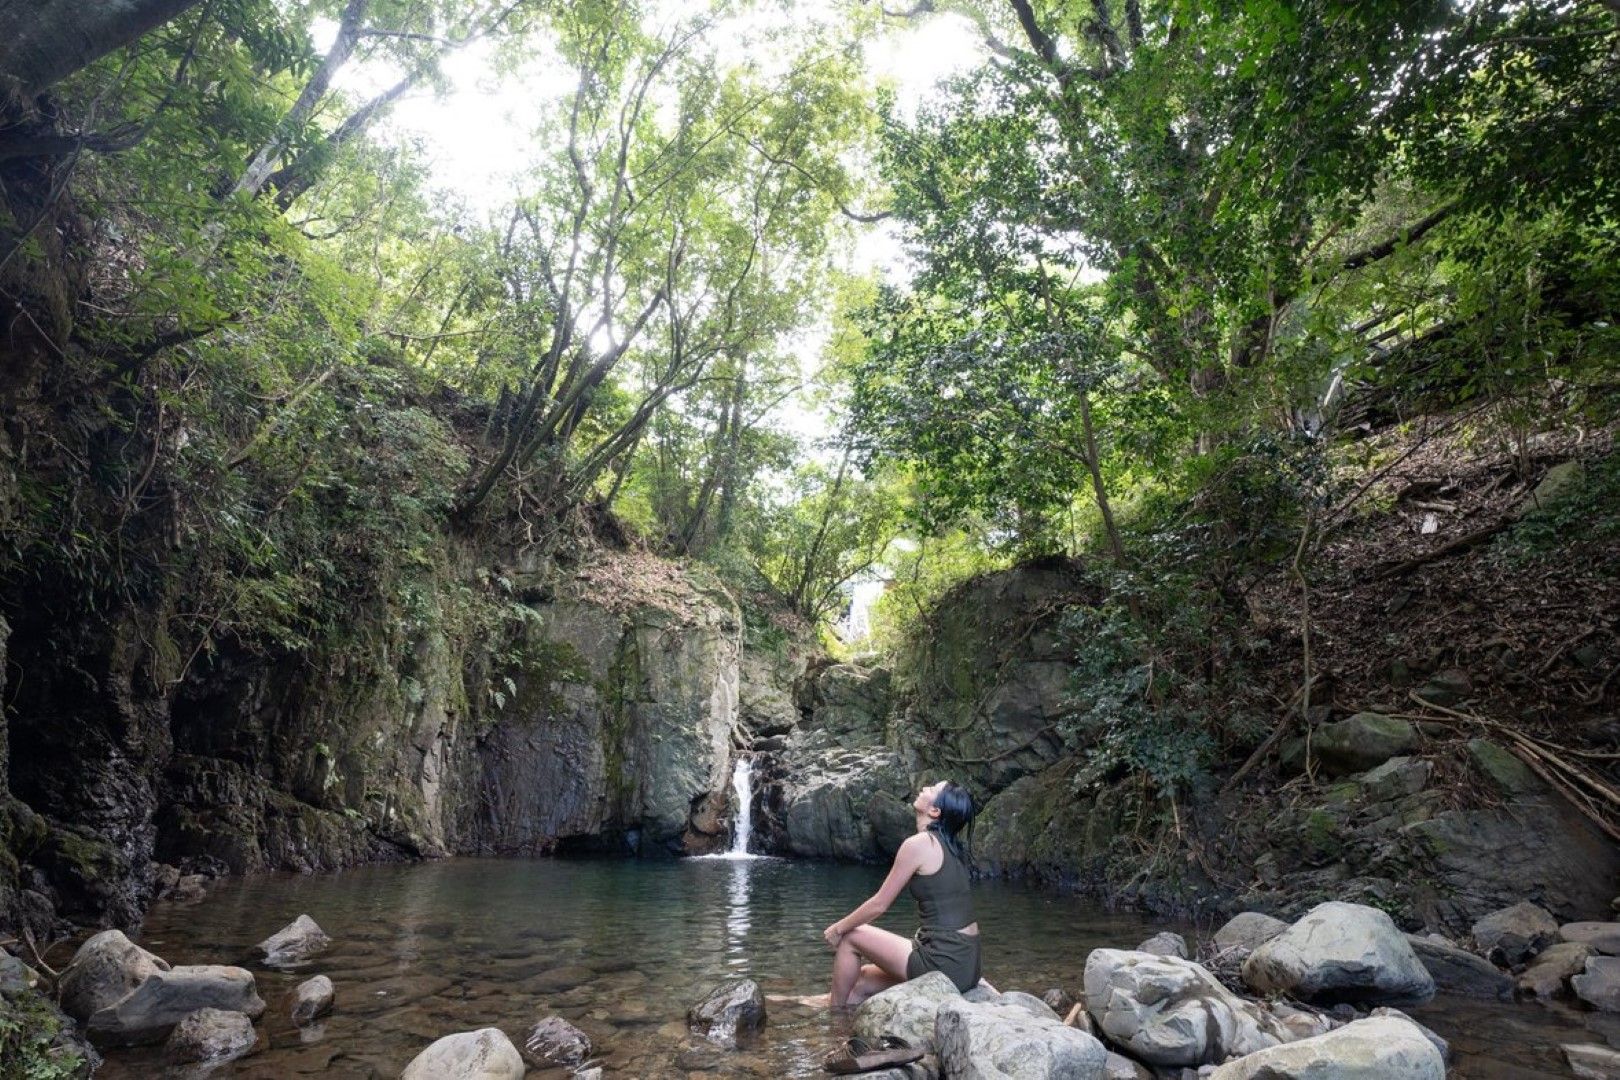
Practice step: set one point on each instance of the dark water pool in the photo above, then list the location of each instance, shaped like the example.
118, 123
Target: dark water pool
622, 947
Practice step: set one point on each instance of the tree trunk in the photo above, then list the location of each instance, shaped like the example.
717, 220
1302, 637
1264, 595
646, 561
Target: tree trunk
42, 42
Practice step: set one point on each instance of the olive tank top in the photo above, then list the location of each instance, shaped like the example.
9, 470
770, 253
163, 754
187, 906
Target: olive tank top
943, 899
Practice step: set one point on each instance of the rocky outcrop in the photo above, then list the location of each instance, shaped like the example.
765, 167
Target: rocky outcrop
150, 1011
1167, 1011
1382, 1048
1340, 952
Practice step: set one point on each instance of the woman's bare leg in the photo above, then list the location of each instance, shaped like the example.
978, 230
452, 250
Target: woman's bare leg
888, 953
873, 979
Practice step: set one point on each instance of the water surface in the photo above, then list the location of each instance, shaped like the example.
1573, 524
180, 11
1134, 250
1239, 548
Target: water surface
622, 947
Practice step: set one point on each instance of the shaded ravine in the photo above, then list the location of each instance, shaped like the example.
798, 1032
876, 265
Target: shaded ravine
622, 947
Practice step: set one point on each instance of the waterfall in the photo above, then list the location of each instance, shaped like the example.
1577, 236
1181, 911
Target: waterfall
742, 788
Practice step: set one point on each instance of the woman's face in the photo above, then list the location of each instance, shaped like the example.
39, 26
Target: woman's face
925, 799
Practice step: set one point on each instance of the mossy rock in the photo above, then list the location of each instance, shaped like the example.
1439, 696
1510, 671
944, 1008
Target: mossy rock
1510, 775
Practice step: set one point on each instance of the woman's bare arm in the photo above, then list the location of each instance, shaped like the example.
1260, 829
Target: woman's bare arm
906, 862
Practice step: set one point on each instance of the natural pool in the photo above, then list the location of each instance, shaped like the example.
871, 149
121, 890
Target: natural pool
622, 947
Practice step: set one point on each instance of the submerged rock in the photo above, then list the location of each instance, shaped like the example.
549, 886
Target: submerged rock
906, 1011
733, 1010
485, 1054
1380, 1048
1340, 952
1167, 1011
554, 1041
312, 999
150, 1011
1458, 971
997, 1040
212, 1036
1514, 934
106, 968
298, 940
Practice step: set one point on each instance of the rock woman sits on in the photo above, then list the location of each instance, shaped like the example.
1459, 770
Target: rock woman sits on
934, 862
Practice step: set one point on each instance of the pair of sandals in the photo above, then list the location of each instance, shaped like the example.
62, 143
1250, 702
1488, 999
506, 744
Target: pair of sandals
859, 1055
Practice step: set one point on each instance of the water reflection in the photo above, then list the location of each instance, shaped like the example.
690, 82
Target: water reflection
737, 918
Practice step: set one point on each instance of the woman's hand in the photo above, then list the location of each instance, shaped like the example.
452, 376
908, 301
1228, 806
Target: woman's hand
833, 935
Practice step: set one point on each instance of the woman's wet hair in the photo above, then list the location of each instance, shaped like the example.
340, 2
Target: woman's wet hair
955, 822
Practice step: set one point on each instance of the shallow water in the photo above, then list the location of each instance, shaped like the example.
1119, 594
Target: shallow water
622, 947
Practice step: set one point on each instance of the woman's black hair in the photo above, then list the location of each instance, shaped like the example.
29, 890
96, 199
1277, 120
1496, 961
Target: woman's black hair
955, 822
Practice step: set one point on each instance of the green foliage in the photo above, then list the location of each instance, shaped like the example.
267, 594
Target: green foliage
28, 1030
1582, 525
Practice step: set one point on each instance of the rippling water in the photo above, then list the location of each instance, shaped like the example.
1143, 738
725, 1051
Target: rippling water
622, 947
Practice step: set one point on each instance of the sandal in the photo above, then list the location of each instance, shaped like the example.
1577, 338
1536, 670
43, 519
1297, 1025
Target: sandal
859, 1055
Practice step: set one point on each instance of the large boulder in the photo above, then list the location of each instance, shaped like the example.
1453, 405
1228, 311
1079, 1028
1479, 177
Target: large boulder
212, 1036
485, 1054
1379, 1048
730, 1012
1514, 934
1168, 1011
1599, 984
312, 1000
1002, 1041
842, 802
106, 968
1458, 971
297, 941
907, 1010
1362, 742
1340, 952
150, 1011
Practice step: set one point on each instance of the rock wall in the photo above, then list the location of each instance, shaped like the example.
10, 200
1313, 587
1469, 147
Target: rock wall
606, 719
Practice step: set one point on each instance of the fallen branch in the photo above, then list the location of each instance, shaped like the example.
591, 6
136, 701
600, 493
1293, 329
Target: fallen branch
1462, 543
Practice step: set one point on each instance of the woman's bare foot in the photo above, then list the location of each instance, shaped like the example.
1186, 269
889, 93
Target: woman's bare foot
809, 1001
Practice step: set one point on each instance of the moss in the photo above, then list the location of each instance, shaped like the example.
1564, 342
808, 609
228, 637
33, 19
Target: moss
31, 1043
1320, 832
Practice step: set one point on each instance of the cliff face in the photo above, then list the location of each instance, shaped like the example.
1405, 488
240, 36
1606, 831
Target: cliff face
604, 719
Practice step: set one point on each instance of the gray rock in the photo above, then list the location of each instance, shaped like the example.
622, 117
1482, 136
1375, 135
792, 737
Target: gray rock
1604, 937
312, 999
1165, 943
1340, 952
1514, 934
1301, 1023
1549, 973
554, 1041
1590, 1061
1247, 931
1005, 1042
1379, 1048
906, 1011
298, 940
485, 1054
1361, 742
1395, 779
1599, 984
732, 1011
211, 1035
1439, 1043
15, 976
1458, 971
592, 1073
106, 968
1446, 687
150, 1011
1120, 1067
1167, 1011
980, 993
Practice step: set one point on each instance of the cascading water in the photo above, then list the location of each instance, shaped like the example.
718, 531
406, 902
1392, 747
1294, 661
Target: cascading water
742, 788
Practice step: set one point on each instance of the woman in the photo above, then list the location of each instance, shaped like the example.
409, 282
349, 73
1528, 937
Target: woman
935, 865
